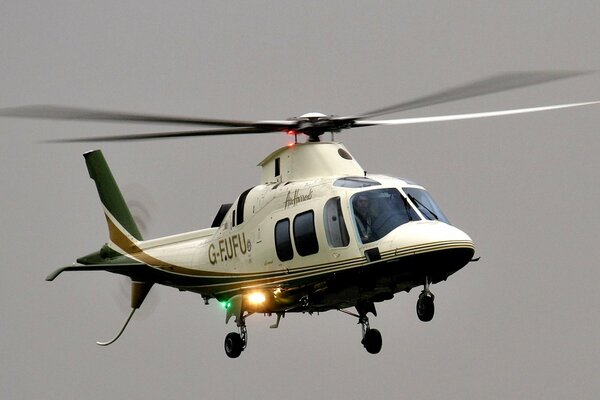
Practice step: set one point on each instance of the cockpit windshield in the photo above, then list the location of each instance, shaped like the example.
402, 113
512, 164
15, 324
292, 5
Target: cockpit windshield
378, 212
425, 204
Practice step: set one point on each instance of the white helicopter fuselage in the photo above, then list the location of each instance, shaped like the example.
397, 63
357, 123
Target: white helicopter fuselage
298, 234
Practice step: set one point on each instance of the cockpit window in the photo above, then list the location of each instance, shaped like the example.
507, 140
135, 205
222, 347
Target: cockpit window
423, 201
355, 182
378, 212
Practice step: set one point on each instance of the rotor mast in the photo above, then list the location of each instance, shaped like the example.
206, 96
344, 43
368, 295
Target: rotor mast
315, 124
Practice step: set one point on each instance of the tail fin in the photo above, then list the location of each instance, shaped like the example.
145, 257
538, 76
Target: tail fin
121, 226
123, 233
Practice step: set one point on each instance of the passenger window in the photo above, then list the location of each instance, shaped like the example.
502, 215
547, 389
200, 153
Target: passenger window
335, 227
305, 236
283, 241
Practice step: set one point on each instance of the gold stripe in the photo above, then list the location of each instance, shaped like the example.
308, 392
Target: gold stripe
248, 284
131, 249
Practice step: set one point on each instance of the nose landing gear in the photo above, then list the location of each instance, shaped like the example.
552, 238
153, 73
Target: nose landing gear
425, 307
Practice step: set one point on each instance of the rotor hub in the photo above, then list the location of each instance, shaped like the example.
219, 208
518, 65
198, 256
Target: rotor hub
315, 124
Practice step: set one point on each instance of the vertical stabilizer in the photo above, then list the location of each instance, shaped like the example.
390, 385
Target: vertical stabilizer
114, 205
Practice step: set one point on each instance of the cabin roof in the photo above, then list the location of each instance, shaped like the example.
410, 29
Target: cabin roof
309, 160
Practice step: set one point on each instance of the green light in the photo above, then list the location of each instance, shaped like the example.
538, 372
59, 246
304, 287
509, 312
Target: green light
226, 304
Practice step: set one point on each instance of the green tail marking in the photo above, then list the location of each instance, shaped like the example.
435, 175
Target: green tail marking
109, 192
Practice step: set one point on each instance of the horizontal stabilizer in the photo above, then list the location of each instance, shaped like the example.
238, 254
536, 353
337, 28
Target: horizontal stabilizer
124, 269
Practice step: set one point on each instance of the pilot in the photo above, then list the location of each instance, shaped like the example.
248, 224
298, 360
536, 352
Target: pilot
363, 218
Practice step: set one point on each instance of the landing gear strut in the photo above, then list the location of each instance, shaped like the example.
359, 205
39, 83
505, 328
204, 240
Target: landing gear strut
371, 338
425, 307
236, 342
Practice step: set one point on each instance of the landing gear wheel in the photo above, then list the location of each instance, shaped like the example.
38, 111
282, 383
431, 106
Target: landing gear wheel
372, 341
425, 307
233, 345
371, 338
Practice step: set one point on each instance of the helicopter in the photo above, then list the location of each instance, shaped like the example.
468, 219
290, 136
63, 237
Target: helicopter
317, 233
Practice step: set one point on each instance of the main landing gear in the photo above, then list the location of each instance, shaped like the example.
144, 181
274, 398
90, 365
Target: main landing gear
371, 338
425, 307
236, 342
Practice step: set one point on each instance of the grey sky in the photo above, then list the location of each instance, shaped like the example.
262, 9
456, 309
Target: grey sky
521, 323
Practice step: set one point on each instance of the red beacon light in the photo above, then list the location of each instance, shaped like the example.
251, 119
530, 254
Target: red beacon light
293, 133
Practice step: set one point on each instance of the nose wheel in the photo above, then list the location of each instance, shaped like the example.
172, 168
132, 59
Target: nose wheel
425, 306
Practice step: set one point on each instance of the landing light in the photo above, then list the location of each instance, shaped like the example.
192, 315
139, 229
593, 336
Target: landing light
256, 298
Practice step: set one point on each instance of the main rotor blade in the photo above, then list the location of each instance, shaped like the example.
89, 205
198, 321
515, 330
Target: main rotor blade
493, 84
456, 117
166, 135
85, 114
